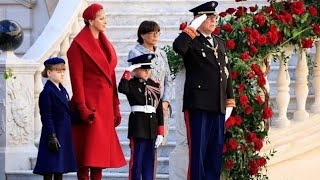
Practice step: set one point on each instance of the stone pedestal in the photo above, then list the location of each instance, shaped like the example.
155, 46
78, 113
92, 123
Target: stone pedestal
17, 113
179, 158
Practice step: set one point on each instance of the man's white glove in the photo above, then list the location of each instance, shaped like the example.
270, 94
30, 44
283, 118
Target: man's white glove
132, 67
158, 141
198, 21
228, 112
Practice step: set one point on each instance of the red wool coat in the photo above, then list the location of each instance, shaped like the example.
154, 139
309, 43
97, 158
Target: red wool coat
92, 74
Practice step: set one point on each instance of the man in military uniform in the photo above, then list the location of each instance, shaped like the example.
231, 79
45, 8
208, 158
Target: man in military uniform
146, 130
208, 95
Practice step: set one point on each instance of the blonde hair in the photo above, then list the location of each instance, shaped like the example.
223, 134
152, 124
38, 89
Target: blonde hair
52, 67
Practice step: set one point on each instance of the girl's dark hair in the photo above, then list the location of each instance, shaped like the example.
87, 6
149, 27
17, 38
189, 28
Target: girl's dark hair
51, 67
145, 27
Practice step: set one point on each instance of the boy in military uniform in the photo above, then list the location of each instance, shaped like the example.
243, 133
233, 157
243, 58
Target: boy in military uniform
146, 130
208, 97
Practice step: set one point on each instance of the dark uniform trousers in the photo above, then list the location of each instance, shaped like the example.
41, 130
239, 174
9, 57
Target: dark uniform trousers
208, 88
143, 127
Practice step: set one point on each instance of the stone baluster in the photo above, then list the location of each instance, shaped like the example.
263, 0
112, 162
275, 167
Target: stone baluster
315, 108
283, 82
38, 86
65, 44
301, 87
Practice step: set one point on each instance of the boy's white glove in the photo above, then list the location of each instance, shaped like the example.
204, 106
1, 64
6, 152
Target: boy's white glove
228, 112
198, 21
158, 141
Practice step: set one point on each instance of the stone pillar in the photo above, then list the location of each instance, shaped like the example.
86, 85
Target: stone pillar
179, 158
301, 87
315, 108
283, 83
17, 114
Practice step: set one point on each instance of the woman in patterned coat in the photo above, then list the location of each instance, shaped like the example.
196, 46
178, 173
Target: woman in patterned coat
148, 36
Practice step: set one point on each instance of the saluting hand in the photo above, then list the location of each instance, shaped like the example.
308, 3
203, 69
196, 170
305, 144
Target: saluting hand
198, 21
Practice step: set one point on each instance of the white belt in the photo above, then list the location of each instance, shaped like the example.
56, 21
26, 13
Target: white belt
145, 109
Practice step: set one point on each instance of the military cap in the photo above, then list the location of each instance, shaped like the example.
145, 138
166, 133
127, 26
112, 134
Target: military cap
90, 12
54, 60
205, 8
144, 59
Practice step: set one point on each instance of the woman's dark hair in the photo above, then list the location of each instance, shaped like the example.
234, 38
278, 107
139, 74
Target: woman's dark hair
145, 27
86, 22
51, 67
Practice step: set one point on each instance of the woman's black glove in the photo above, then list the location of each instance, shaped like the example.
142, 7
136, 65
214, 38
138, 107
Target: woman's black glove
53, 143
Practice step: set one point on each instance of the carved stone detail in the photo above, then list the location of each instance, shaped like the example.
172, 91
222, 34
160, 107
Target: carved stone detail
19, 112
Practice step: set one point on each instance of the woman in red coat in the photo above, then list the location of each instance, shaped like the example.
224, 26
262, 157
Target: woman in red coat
92, 62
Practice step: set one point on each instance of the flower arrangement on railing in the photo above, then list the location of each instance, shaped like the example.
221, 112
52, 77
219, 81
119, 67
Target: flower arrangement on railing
252, 36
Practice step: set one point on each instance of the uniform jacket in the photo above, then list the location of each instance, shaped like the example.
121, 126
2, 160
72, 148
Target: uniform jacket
55, 118
92, 74
160, 72
208, 84
142, 125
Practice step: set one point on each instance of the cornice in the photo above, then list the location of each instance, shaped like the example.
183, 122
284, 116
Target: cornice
28, 3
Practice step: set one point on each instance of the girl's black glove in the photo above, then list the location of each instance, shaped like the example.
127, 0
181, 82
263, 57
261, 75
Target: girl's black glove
53, 143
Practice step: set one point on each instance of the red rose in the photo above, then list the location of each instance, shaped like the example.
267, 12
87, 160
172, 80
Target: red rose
261, 81
231, 10
259, 99
256, 69
227, 27
229, 164
253, 8
261, 161
270, 10
252, 50
230, 122
316, 28
297, 7
232, 144
222, 14
216, 31
241, 87
225, 148
307, 43
313, 11
183, 26
267, 113
234, 75
259, 19
257, 144
285, 17
251, 75
242, 8
239, 13
272, 37
243, 100
245, 56
247, 30
261, 40
238, 120
253, 136
230, 44
253, 168
248, 110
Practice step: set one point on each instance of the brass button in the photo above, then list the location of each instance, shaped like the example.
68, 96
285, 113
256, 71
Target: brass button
199, 86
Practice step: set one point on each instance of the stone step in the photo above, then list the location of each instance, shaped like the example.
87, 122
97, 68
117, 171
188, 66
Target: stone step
125, 45
162, 166
28, 175
165, 5
122, 132
163, 150
130, 32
